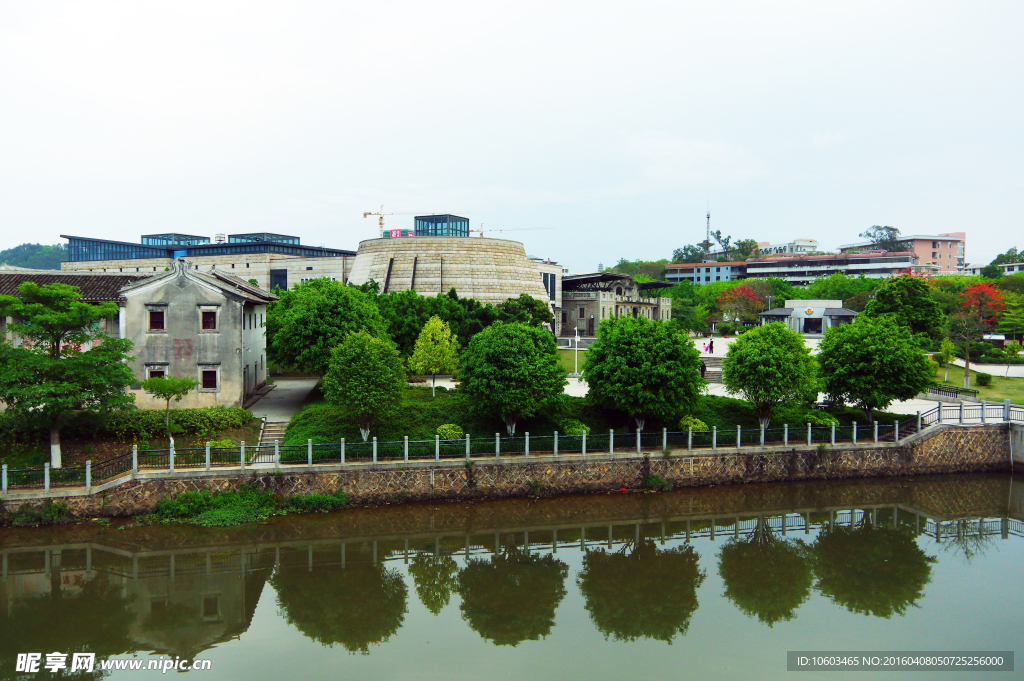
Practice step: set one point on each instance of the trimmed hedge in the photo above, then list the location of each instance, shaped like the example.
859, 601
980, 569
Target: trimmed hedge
133, 423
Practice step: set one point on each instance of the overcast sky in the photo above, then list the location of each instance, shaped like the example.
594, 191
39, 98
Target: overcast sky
614, 123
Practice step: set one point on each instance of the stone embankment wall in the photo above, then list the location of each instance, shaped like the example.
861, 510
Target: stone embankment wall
941, 449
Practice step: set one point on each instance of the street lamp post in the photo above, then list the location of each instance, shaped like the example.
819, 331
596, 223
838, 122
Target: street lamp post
576, 354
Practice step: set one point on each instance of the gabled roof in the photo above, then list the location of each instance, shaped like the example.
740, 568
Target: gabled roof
840, 312
228, 283
96, 287
777, 312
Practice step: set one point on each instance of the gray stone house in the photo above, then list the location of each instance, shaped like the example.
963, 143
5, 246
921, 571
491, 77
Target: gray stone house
811, 317
208, 325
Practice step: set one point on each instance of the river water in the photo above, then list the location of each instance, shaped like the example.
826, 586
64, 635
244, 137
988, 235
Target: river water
713, 583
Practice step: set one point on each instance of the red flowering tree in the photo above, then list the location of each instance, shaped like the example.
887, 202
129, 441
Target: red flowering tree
980, 307
740, 304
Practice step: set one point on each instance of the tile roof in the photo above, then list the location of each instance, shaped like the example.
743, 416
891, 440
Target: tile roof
95, 287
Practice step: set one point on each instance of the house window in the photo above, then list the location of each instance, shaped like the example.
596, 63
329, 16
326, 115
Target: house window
211, 608
583, 313
564, 321
209, 379
209, 320
156, 372
156, 320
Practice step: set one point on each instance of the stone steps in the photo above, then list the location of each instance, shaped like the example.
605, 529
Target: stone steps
273, 430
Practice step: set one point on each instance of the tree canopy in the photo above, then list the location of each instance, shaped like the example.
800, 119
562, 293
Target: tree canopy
885, 238
35, 256
311, 319
644, 368
436, 351
871, 363
57, 370
689, 254
435, 579
909, 299
365, 379
769, 365
740, 304
511, 371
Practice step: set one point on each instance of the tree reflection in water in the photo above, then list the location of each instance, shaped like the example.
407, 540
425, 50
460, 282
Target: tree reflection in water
764, 576
512, 597
355, 606
435, 579
641, 591
878, 571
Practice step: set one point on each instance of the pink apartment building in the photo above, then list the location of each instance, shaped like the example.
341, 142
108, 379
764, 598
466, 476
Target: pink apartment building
944, 251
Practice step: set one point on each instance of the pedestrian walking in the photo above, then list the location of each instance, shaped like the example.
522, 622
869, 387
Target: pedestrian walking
703, 368
711, 346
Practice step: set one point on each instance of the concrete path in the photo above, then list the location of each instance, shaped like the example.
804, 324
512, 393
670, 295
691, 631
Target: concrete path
281, 403
1016, 370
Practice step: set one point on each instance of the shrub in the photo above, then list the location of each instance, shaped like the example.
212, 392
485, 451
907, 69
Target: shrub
818, 418
983, 379
573, 427
220, 509
52, 513
222, 443
655, 482
688, 422
726, 328
323, 503
449, 431
939, 359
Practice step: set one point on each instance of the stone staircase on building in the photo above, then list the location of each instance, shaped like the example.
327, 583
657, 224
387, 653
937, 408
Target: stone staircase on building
273, 430
714, 368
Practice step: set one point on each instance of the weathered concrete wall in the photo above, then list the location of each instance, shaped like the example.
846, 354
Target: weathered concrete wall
943, 449
1017, 446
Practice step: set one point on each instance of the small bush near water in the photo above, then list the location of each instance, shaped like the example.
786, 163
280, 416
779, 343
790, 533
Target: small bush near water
237, 507
449, 431
52, 513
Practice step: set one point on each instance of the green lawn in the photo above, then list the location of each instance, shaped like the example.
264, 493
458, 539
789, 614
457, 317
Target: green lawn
568, 360
999, 390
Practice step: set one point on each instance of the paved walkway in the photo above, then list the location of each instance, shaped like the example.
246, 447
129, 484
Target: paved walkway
1016, 370
281, 403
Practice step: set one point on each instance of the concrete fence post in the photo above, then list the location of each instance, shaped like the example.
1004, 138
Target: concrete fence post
170, 457
833, 433
637, 440
689, 438
939, 411
526, 445
896, 432
46, 477
241, 449
714, 437
785, 435
135, 459
437, 447
405, 449
584, 449
762, 437
207, 456
739, 437
984, 408
88, 476
876, 432
497, 446
1006, 410
277, 453
309, 452
467, 446
919, 420
664, 439
343, 451
961, 413
808, 435
556, 443
375, 451
611, 442
3, 482
854, 432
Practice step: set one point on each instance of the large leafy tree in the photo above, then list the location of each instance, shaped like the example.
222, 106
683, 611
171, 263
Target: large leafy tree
365, 379
57, 369
871, 363
435, 579
839, 286
769, 366
511, 371
746, 248
358, 606
512, 597
740, 304
980, 307
436, 351
689, 254
909, 299
311, 319
884, 238
641, 591
643, 367
765, 576
169, 388
878, 571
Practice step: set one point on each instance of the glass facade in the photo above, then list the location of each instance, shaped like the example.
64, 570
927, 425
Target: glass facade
83, 249
98, 249
441, 225
173, 239
261, 237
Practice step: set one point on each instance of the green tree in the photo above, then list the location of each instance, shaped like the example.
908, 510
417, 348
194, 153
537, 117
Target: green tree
689, 254
56, 370
858, 303
948, 350
512, 597
909, 299
511, 371
35, 256
643, 367
766, 577
1011, 321
311, 319
641, 591
746, 248
169, 388
435, 579
839, 286
525, 310
878, 571
358, 606
884, 238
769, 366
1012, 350
365, 379
689, 317
980, 307
871, 363
436, 351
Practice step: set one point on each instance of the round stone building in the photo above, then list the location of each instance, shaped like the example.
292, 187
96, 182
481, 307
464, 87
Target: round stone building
489, 270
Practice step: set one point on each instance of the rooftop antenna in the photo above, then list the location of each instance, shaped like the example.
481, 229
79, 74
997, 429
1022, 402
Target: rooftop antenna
707, 238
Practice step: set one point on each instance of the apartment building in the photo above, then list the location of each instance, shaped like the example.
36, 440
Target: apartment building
945, 251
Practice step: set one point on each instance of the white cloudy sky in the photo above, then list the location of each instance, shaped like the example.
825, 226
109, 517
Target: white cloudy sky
613, 122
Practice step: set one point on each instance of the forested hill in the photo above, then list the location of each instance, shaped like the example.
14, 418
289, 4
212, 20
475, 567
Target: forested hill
36, 256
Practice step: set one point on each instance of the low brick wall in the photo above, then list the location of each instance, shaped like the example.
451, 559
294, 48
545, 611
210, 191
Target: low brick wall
940, 449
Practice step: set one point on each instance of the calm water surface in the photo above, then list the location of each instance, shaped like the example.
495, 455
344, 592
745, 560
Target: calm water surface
707, 583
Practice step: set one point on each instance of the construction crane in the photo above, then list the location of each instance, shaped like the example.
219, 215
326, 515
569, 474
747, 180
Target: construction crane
506, 229
381, 214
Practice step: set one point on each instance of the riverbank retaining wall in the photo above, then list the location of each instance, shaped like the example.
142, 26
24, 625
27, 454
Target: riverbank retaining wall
940, 449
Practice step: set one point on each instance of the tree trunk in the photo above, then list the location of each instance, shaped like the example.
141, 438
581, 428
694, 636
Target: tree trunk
54, 446
967, 367
640, 421
510, 424
867, 413
433, 385
167, 422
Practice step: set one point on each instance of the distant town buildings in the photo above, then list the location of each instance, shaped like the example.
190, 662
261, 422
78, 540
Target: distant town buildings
801, 270
589, 298
705, 272
945, 251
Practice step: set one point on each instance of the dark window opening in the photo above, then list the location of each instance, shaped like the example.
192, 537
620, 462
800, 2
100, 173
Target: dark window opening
156, 320
210, 607
210, 379
156, 373
209, 320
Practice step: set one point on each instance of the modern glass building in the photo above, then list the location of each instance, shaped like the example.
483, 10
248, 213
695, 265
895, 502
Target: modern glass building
441, 225
173, 239
82, 249
261, 237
